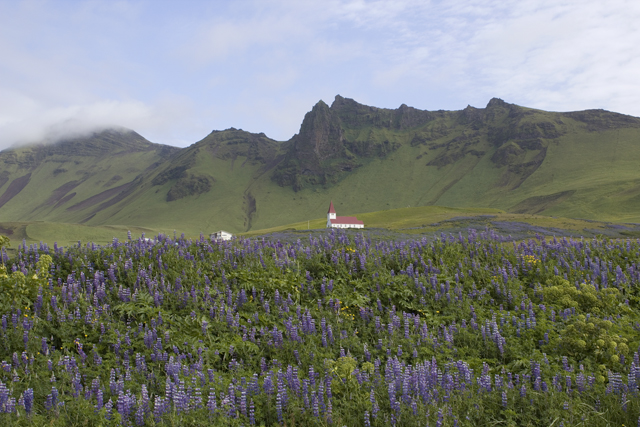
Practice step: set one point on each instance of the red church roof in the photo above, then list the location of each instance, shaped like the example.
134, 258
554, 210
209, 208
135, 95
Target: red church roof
346, 220
331, 209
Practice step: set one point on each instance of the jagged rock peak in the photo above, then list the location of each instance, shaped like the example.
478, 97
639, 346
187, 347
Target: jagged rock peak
496, 102
340, 102
320, 104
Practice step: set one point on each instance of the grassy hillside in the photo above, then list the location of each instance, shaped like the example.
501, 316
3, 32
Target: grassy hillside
578, 176
425, 220
68, 235
365, 159
430, 220
72, 181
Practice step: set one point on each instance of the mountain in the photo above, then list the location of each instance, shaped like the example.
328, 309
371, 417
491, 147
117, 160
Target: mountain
74, 179
576, 164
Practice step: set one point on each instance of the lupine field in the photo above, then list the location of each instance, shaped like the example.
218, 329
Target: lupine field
465, 330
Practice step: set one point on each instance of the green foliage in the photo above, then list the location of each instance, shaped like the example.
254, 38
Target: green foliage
210, 317
20, 290
594, 339
562, 295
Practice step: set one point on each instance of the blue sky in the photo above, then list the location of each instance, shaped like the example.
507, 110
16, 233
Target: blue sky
176, 70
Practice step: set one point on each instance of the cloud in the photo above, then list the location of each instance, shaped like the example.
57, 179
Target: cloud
174, 73
244, 29
559, 56
568, 55
38, 123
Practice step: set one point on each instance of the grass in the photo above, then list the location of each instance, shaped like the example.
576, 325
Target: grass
67, 235
436, 219
427, 220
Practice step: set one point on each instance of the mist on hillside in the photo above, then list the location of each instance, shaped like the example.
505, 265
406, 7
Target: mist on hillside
158, 123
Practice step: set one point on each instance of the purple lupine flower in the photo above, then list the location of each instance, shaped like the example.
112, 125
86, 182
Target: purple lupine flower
108, 409
279, 407
392, 394
204, 327
159, 408
28, 400
139, 416
99, 400
54, 397
252, 410
121, 404
243, 402
144, 399
314, 404
47, 403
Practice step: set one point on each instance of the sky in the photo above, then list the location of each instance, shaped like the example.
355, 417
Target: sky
173, 71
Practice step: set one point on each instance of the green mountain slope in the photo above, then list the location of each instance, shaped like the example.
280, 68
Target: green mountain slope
367, 159
74, 179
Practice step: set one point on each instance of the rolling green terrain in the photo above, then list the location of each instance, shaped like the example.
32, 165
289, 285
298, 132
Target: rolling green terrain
394, 224
68, 235
366, 159
430, 221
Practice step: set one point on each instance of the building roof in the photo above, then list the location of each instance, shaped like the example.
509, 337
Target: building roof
346, 220
331, 209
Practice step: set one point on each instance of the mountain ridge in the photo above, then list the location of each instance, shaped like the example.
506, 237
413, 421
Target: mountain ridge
504, 156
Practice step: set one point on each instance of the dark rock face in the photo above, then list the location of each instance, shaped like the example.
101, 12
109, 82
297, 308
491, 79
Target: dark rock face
338, 139
507, 154
353, 115
309, 158
456, 149
320, 138
321, 152
174, 173
333, 141
189, 186
229, 144
598, 120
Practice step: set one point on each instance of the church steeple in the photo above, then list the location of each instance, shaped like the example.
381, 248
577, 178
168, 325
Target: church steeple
331, 214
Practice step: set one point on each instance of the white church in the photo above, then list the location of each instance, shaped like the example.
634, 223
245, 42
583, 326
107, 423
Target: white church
334, 221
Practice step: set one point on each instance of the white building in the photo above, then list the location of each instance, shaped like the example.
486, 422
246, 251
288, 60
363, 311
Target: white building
334, 221
221, 235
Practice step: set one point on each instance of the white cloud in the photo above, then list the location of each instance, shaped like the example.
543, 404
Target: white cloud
562, 56
173, 72
222, 37
39, 123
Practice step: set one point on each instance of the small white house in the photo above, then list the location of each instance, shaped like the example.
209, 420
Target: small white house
334, 221
221, 235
